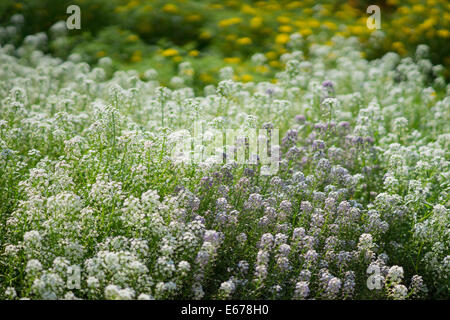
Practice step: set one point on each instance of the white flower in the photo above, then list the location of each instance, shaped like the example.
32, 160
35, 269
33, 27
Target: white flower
399, 292
395, 274
228, 287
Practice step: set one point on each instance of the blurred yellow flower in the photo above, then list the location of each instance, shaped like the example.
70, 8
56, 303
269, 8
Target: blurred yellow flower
194, 53
101, 54
271, 55
275, 64
229, 22
398, 46
147, 8
206, 78
248, 9
170, 8
244, 41
132, 4
392, 2
246, 77
427, 24
132, 38
282, 38
285, 29
313, 23
443, 33
189, 72
120, 9
256, 22
283, 19
137, 56
194, 18
235, 60
294, 5
169, 52
216, 6
418, 8
305, 32
205, 35
177, 58
262, 69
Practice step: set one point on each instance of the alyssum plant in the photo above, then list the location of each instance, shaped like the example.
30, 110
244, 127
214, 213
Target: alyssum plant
95, 206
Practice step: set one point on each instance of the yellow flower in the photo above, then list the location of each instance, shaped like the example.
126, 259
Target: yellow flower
194, 18
285, 29
447, 17
147, 8
216, 6
137, 56
256, 22
170, 8
120, 9
189, 72
273, 7
132, 38
443, 33
294, 5
275, 64
169, 52
280, 49
177, 58
306, 32
248, 10
194, 53
205, 35
398, 46
235, 60
132, 4
206, 78
283, 19
262, 69
427, 24
271, 55
314, 23
418, 8
229, 22
101, 54
244, 41
232, 3
403, 10
246, 77
282, 38
392, 2
358, 30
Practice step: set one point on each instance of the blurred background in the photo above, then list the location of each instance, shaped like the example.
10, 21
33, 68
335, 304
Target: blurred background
211, 34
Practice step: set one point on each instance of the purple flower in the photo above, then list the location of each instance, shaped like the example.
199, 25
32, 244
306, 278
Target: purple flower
328, 84
300, 118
